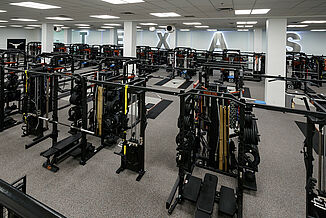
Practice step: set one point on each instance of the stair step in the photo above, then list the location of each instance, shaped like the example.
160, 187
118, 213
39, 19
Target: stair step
207, 193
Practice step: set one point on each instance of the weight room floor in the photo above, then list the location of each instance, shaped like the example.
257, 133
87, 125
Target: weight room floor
95, 190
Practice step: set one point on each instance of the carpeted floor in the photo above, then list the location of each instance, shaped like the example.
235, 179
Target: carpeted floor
95, 190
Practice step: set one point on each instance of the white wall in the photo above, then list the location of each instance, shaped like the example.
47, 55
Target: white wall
18, 33
311, 42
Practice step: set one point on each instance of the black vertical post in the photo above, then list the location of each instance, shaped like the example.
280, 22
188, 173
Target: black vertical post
55, 83
2, 102
84, 120
142, 131
240, 160
181, 151
309, 164
1, 211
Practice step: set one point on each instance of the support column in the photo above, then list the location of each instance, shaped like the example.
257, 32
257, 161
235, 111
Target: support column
130, 39
275, 61
47, 37
173, 39
113, 37
258, 40
67, 36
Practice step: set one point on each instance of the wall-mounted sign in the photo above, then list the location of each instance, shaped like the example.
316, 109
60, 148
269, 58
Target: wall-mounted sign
16, 44
292, 42
218, 42
163, 41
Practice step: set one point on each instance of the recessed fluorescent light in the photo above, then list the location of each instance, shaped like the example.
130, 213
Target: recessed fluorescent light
243, 30
139, 30
192, 23
251, 22
202, 26
59, 18
211, 30
148, 24
58, 25
104, 16
240, 26
107, 27
65, 27
297, 25
30, 28
16, 26
138, 27
112, 24
2, 11
2, 26
23, 19
34, 25
241, 22
35, 5
248, 26
239, 12
120, 37
3, 21
314, 21
166, 14
260, 11
82, 25
101, 30
162, 27
253, 11
318, 30
117, 2
184, 30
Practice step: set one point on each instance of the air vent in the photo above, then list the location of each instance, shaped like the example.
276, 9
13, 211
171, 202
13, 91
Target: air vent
225, 9
127, 13
189, 16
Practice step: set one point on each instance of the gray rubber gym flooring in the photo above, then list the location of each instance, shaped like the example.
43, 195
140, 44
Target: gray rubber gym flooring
95, 190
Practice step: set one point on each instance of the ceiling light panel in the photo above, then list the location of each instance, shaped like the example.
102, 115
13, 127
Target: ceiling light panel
192, 23
2, 11
202, 26
34, 25
299, 26
148, 24
16, 26
260, 11
59, 18
83, 27
314, 21
243, 30
104, 16
112, 24
81, 24
241, 12
2, 26
3, 21
318, 30
184, 30
23, 19
35, 5
248, 26
167, 14
212, 30
251, 22
240, 26
119, 2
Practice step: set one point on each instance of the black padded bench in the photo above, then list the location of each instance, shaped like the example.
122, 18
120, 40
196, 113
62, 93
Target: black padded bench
62, 145
228, 203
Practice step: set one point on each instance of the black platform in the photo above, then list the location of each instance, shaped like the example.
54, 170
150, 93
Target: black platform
207, 193
228, 203
191, 188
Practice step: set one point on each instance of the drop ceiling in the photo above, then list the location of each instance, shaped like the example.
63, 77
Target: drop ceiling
214, 13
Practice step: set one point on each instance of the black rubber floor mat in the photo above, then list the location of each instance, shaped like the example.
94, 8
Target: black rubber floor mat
158, 109
162, 82
185, 85
303, 127
246, 93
